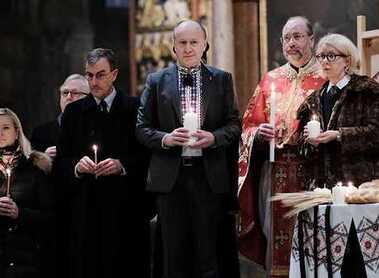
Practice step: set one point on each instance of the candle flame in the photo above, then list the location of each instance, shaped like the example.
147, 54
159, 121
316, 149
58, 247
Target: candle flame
94, 147
350, 183
339, 183
8, 171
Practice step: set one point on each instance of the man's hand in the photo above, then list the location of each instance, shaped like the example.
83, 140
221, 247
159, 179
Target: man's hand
8, 207
108, 167
324, 137
178, 137
204, 139
51, 151
265, 132
85, 166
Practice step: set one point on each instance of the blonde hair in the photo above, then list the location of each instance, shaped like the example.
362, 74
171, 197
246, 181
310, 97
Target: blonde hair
345, 46
24, 143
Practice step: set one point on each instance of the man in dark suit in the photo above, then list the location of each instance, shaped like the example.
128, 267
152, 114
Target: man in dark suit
104, 192
45, 137
188, 118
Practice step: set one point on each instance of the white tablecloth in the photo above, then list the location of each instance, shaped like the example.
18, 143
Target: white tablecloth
366, 221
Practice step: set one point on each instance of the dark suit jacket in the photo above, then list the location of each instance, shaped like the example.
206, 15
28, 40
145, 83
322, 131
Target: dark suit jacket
45, 135
160, 113
108, 214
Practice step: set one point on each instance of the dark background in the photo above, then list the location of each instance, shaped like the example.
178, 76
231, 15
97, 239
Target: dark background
42, 42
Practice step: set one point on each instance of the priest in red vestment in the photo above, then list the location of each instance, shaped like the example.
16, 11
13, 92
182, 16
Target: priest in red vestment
265, 235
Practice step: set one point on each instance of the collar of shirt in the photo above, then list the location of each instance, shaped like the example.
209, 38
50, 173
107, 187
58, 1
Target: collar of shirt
108, 99
340, 84
297, 69
185, 70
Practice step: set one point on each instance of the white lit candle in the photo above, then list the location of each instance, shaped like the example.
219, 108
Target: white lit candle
94, 147
272, 120
190, 123
313, 127
339, 192
8, 171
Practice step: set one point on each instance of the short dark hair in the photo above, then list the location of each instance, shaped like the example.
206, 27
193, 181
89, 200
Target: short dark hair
96, 54
190, 20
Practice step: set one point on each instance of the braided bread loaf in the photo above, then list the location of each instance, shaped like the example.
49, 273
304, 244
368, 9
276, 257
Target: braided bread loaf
367, 192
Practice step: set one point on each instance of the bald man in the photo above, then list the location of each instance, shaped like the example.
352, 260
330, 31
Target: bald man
188, 117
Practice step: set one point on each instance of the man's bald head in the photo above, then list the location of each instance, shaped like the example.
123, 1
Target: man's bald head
189, 43
189, 23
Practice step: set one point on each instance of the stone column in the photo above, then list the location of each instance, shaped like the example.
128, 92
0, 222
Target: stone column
222, 42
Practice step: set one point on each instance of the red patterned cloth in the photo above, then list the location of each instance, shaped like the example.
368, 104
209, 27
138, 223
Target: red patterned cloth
291, 88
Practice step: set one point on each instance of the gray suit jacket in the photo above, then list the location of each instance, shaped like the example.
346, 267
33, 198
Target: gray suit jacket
160, 113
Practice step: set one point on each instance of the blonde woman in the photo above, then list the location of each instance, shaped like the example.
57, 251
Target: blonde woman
25, 200
347, 107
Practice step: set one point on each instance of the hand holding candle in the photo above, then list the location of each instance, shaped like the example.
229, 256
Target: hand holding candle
272, 121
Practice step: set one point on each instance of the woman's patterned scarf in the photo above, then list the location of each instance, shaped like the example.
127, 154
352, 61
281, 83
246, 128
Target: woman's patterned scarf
15, 153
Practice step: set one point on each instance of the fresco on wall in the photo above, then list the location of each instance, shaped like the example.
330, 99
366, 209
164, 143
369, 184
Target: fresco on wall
155, 20
327, 16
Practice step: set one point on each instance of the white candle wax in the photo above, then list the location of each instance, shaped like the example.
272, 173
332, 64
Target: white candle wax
313, 128
8, 171
94, 147
338, 193
190, 123
272, 121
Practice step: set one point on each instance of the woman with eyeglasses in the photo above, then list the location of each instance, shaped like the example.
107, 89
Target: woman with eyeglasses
25, 202
347, 107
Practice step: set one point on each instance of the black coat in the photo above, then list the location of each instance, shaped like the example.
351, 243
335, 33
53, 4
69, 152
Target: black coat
22, 240
109, 224
45, 135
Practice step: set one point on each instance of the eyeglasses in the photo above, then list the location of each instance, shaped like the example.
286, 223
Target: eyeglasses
99, 76
331, 57
73, 94
297, 37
